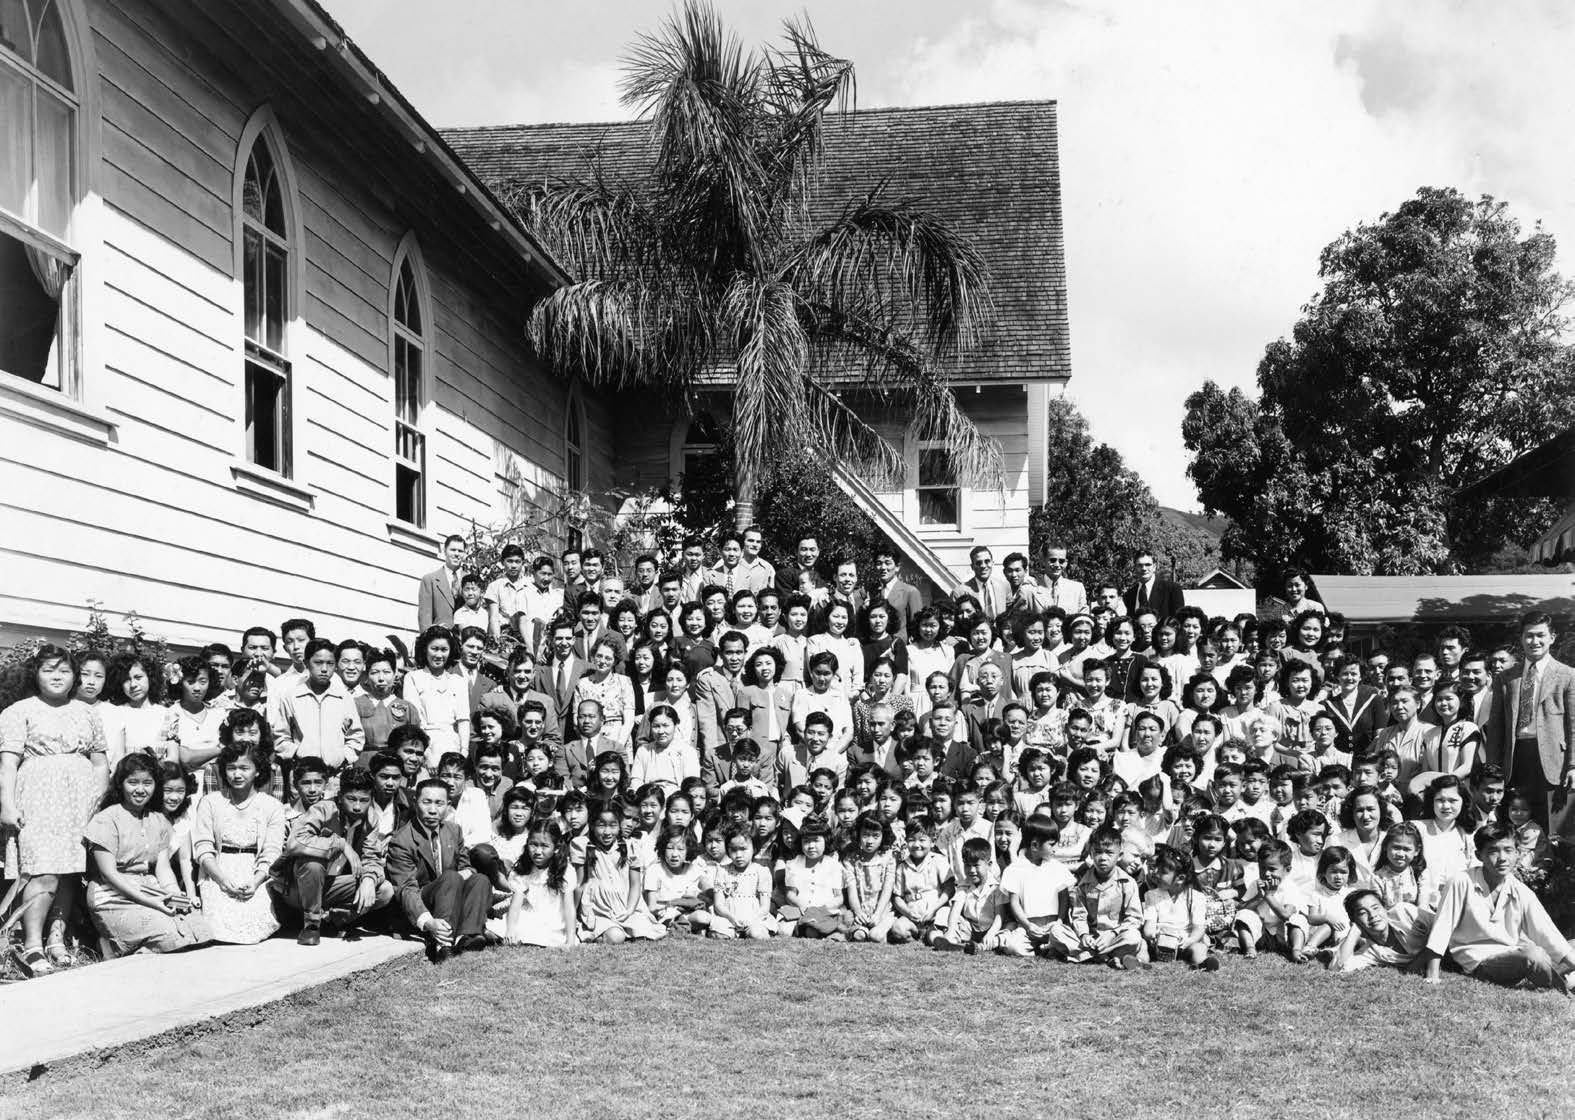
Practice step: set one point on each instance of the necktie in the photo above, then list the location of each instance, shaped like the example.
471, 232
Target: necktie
437, 854
730, 583
1525, 719
989, 599
563, 679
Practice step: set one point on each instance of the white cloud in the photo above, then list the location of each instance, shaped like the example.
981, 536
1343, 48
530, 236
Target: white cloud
1209, 152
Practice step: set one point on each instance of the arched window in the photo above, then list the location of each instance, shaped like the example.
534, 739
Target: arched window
39, 109
267, 242
409, 321
574, 442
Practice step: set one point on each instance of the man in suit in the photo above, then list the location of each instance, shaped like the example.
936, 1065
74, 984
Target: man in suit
591, 624
965, 669
986, 585
1537, 721
1476, 683
1150, 592
716, 691
902, 598
440, 589
562, 670
805, 569
429, 866
1061, 590
1025, 598
573, 760
845, 589
472, 663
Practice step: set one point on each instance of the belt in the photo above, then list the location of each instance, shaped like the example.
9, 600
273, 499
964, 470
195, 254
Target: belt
232, 849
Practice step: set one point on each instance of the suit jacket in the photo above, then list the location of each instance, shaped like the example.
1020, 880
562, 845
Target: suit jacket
993, 603
410, 864
546, 682
1068, 594
1367, 716
904, 600
1554, 723
498, 700
758, 702
716, 768
1484, 710
572, 761
996, 657
1166, 600
714, 694
435, 603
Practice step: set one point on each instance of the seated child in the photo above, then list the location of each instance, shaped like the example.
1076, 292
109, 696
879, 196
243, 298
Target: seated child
1326, 916
1307, 831
541, 883
1031, 789
1101, 919
677, 882
1072, 837
1276, 916
1031, 889
922, 885
812, 886
746, 756
869, 878
1219, 877
1175, 914
974, 918
741, 892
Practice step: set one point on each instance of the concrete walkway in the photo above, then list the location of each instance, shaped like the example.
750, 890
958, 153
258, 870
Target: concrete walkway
95, 1007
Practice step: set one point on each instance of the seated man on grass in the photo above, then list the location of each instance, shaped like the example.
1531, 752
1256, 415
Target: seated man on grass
331, 869
429, 867
1379, 936
1493, 925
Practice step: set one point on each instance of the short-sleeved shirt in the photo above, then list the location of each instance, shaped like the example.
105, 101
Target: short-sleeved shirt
820, 885
668, 885
135, 842
1038, 886
919, 885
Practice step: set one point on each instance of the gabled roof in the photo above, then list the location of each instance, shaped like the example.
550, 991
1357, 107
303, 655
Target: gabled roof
991, 170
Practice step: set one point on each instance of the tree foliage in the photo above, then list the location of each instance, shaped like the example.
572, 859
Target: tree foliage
710, 261
1102, 512
1433, 354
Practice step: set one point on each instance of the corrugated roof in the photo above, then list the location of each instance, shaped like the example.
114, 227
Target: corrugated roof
1495, 598
991, 170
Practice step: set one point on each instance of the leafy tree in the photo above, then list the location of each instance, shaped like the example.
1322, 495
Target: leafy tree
710, 261
1102, 512
1433, 354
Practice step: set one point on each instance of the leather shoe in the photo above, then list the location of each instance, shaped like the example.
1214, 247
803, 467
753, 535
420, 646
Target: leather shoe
436, 953
470, 942
310, 934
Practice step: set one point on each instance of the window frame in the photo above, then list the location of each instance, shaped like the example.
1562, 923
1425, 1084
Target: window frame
917, 447
278, 483
408, 254
576, 472
72, 409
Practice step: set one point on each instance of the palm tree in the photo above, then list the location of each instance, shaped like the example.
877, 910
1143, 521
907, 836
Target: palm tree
711, 264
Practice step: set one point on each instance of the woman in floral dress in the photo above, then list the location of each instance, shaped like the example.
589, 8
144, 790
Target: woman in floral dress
52, 768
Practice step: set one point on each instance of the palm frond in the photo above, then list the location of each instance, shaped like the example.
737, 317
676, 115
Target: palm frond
898, 375
701, 93
595, 228
932, 282
802, 82
622, 334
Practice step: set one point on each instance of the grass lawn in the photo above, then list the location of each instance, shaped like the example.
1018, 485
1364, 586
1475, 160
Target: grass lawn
694, 1028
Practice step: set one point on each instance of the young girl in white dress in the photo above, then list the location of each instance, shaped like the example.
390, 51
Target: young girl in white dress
541, 907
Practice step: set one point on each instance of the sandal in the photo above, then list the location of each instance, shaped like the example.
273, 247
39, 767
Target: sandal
33, 962
59, 955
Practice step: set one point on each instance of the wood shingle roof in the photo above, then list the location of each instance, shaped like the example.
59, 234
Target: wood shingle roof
991, 170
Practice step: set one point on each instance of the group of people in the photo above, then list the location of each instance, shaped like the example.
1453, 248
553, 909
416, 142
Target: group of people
738, 750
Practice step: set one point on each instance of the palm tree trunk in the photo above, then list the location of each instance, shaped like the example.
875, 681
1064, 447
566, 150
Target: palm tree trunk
743, 496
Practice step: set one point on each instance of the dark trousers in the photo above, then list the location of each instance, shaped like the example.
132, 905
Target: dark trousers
313, 891
1526, 776
462, 903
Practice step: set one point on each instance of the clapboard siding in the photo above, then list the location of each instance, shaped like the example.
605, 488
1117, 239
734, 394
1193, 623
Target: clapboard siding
155, 521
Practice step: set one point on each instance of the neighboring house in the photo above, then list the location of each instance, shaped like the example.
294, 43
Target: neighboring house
993, 172
261, 332
1546, 471
1369, 603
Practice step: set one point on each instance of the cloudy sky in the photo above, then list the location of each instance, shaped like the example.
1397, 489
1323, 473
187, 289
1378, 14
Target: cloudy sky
1209, 150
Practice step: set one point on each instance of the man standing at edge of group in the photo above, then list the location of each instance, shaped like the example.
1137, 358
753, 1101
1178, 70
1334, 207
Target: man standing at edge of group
1536, 718
440, 589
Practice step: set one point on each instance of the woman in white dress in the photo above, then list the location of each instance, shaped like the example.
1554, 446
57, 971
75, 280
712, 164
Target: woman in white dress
235, 837
135, 712
439, 694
